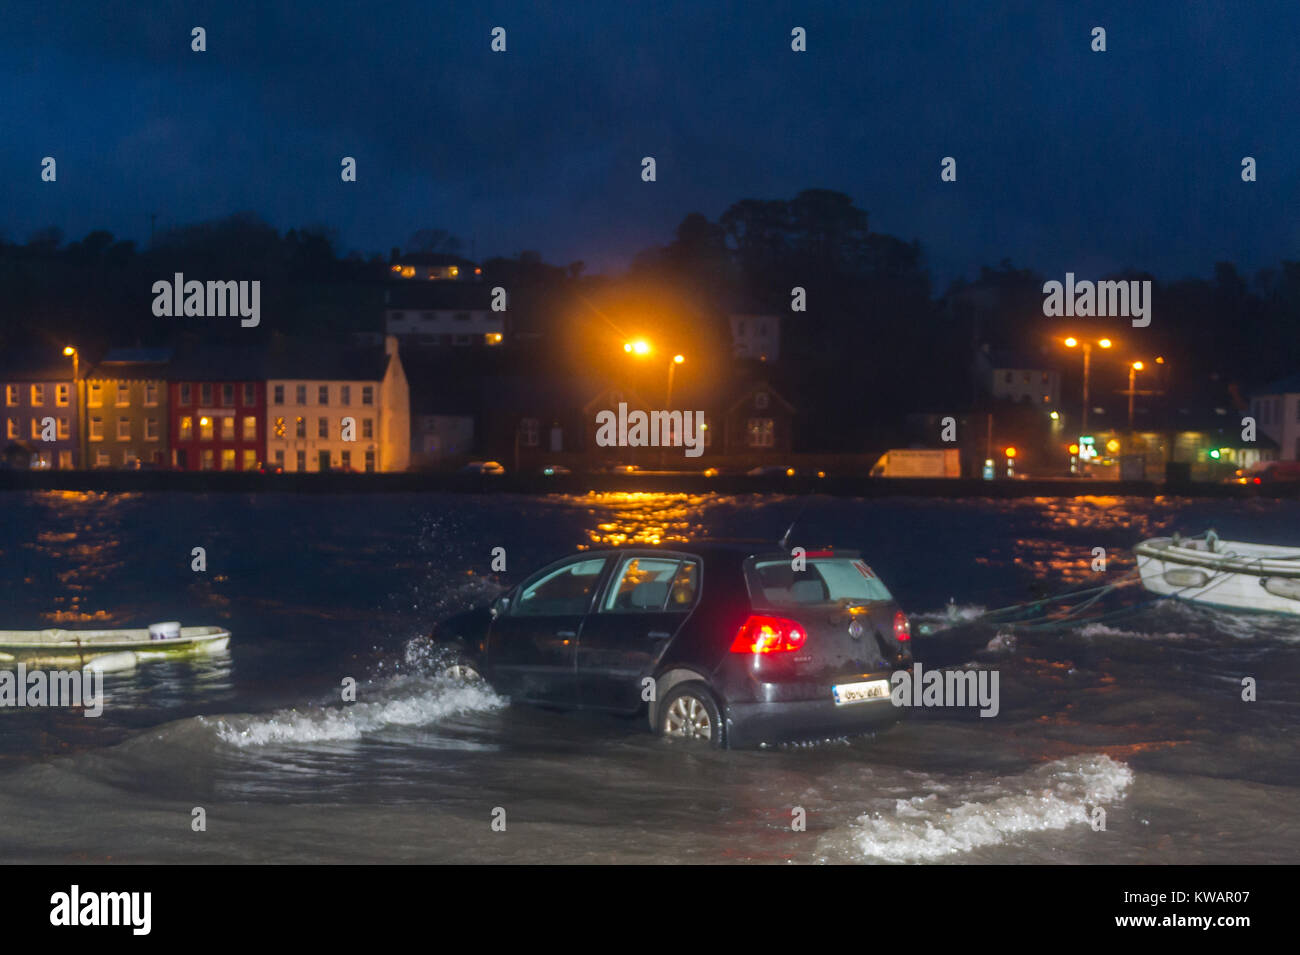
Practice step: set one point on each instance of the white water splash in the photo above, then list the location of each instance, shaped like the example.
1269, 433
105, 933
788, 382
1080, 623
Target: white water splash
439, 700
922, 828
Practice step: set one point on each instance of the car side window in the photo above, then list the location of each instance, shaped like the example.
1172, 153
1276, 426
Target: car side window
565, 591
653, 584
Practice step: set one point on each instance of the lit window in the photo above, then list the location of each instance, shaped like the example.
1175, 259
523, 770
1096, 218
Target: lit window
187, 428
228, 459
205, 428
11, 395
250, 460
279, 427
300, 428
38, 395
250, 428
760, 433
228, 429
65, 429
206, 459
61, 393
94, 394
11, 428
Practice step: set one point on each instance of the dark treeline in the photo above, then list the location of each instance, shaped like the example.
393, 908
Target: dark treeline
876, 342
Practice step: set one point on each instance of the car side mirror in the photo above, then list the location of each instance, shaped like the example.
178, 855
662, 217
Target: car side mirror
500, 605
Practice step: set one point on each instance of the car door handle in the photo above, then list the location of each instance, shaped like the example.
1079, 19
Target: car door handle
659, 634
566, 633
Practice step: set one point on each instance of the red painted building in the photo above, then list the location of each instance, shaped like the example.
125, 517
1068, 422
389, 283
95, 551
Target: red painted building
217, 410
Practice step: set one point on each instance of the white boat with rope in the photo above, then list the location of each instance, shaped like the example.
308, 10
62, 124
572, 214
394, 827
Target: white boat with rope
1222, 573
108, 649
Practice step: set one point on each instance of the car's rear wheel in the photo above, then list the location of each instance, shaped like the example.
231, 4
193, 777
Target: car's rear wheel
689, 713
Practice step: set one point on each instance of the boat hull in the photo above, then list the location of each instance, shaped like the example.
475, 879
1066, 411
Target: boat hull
1234, 574
111, 648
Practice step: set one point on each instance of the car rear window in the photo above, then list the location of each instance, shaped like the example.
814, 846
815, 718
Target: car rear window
820, 580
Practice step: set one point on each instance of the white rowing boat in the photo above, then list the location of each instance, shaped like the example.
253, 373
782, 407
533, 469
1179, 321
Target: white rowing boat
1222, 573
107, 649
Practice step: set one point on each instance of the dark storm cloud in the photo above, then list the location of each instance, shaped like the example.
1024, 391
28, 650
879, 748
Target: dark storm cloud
1066, 158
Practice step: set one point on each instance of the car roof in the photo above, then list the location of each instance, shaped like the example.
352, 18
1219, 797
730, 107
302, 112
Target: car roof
734, 547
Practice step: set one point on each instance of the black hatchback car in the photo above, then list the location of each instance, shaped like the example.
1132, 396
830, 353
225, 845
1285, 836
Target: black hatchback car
726, 643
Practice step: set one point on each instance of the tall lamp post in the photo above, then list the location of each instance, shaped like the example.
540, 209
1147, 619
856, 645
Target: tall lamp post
1133, 368
71, 352
641, 348
1087, 370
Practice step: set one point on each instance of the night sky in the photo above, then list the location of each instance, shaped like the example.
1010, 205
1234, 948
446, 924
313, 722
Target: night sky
1067, 159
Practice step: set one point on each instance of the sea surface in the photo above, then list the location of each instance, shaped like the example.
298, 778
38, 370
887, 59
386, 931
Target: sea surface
1139, 714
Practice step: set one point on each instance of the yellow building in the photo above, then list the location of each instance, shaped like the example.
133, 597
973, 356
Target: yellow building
338, 409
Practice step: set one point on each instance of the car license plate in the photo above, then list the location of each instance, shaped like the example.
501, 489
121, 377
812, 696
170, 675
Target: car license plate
847, 693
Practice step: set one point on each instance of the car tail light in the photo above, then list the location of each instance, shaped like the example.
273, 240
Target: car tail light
902, 628
763, 634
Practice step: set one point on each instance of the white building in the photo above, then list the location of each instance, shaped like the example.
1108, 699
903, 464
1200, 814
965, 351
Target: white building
339, 409
1276, 410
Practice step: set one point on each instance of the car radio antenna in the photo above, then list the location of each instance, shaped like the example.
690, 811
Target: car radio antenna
784, 542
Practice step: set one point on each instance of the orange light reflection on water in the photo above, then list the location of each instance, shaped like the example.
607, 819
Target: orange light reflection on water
643, 517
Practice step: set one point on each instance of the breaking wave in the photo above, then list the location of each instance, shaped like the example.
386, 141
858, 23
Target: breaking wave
419, 702
926, 828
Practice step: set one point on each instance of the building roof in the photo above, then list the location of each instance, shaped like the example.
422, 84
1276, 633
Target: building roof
438, 296
1018, 359
34, 364
219, 363
132, 364
434, 259
317, 361
1283, 386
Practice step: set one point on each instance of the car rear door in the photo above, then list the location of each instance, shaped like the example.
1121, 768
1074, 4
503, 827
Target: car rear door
648, 598
844, 608
532, 645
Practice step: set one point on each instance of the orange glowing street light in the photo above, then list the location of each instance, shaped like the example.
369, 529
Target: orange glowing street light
1072, 342
640, 348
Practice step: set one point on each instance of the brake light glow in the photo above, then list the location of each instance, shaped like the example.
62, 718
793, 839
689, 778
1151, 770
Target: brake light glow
902, 627
764, 634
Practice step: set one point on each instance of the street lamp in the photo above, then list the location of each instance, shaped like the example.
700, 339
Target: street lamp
71, 352
1133, 368
1087, 368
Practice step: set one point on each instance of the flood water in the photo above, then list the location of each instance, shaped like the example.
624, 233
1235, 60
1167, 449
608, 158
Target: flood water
1140, 715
